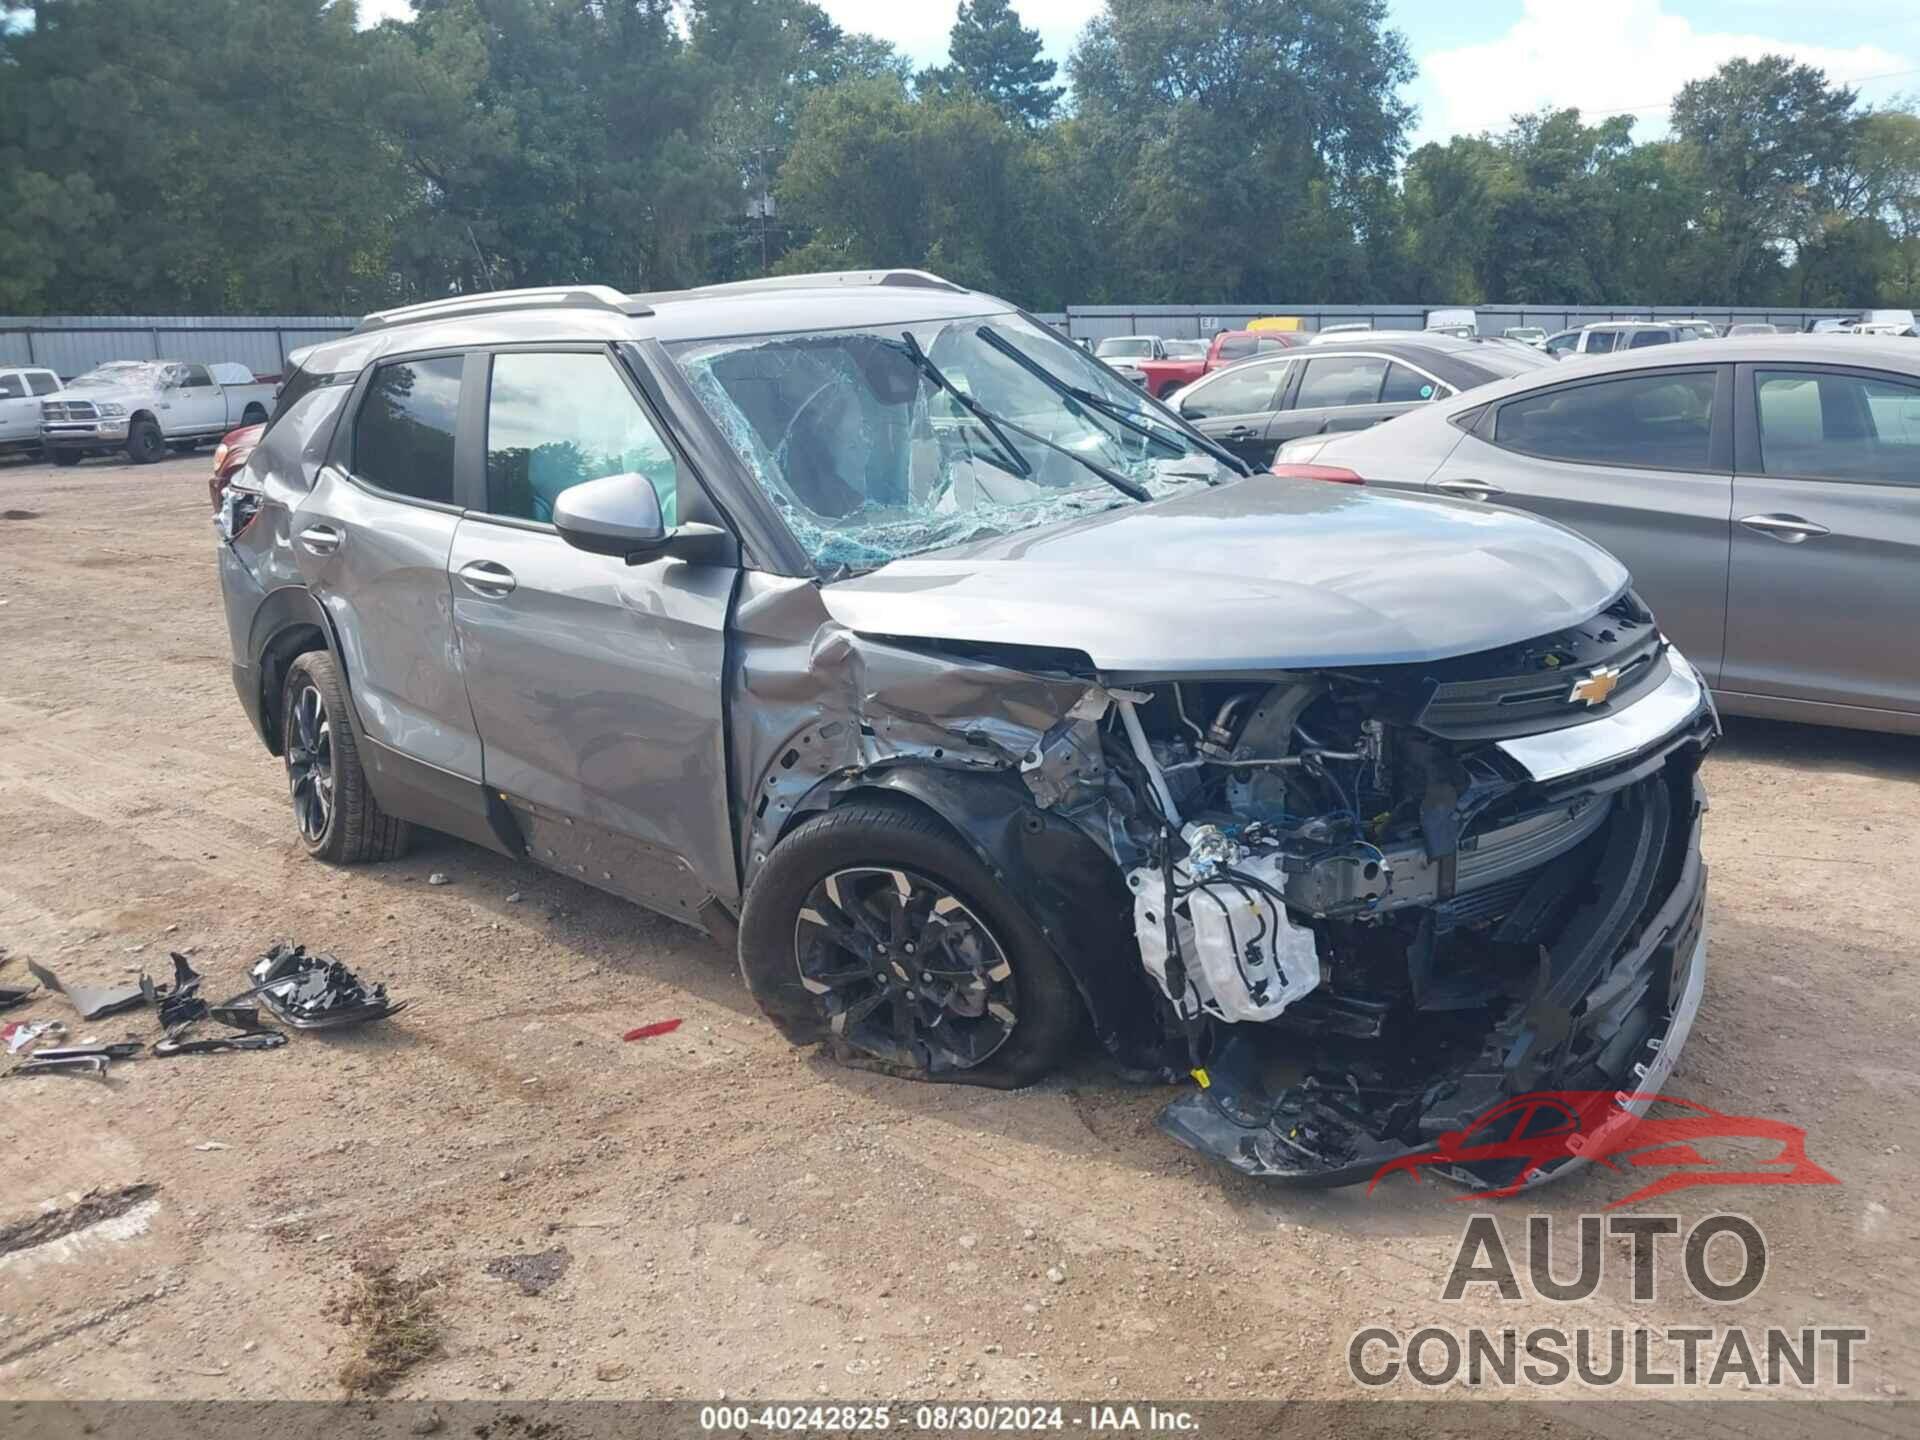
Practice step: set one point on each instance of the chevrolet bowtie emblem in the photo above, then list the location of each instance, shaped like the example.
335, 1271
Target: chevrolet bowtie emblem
1595, 687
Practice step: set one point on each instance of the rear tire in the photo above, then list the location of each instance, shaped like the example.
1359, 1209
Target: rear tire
145, 443
995, 1009
64, 458
334, 812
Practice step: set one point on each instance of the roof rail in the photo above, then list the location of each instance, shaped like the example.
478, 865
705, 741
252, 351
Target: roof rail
489, 302
819, 280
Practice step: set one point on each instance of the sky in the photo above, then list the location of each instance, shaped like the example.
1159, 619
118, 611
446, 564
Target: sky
1482, 63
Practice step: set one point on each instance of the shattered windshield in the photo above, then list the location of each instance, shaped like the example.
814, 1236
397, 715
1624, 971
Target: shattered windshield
116, 372
886, 441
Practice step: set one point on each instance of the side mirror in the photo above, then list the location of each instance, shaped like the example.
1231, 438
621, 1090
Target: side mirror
614, 515
619, 515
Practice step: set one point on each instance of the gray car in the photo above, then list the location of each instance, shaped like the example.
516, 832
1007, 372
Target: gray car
1255, 407
866, 623
1764, 490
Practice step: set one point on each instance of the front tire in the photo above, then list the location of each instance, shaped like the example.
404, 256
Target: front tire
874, 928
334, 812
145, 444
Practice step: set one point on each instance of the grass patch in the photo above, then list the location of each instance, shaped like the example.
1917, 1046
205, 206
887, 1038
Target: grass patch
395, 1325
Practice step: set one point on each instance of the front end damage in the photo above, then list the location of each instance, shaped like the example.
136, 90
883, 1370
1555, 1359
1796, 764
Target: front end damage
1360, 906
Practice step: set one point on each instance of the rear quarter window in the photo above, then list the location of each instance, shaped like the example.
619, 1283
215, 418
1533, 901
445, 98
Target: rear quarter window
1662, 421
404, 430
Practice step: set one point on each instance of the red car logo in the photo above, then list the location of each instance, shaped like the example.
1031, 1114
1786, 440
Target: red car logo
1610, 1128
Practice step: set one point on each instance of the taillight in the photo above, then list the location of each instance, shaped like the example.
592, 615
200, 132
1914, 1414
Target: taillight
239, 505
1338, 474
229, 458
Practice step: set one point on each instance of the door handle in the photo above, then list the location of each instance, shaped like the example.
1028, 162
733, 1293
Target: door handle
1241, 432
484, 577
1787, 529
321, 539
1468, 489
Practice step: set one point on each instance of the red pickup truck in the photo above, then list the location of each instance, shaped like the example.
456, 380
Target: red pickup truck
1229, 347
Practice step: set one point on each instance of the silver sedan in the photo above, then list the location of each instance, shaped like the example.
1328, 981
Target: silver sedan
1764, 491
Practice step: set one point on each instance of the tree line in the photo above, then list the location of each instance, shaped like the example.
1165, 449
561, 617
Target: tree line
271, 156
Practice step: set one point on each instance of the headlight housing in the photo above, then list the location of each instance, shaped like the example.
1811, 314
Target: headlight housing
108, 410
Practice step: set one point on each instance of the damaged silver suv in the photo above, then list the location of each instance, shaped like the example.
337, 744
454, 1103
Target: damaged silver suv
865, 621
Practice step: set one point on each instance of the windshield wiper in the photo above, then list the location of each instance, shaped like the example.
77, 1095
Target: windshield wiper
1020, 465
1132, 489
1109, 408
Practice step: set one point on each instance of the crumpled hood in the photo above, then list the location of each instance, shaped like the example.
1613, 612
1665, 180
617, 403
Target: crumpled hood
1261, 574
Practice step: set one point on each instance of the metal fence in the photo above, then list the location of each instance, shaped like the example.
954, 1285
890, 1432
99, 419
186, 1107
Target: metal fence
70, 344
1201, 322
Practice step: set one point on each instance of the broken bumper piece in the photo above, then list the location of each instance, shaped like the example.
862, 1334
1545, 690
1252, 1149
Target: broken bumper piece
316, 992
1618, 990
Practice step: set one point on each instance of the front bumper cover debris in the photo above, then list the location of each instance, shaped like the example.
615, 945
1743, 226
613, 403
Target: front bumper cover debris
1617, 996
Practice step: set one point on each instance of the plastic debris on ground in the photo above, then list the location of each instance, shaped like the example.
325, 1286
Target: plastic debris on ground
95, 1002
647, 1032
94, 1060
19, 1034
317, 992
181, 1005
10, 997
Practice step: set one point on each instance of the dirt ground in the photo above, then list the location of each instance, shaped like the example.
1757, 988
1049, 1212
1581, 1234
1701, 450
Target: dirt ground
734, 1217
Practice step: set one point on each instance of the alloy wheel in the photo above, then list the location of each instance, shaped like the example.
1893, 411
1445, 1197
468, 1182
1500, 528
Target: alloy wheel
904, 969
310, 764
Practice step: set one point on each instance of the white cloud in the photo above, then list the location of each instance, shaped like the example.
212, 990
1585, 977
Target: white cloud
372, 12
919, 27
1604, 56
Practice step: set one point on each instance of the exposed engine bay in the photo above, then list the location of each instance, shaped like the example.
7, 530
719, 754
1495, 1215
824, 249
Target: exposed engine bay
1359, 906
1368, 921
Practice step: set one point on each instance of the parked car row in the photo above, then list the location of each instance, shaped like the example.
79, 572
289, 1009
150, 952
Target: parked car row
141, 407
1764, 491
1346, 383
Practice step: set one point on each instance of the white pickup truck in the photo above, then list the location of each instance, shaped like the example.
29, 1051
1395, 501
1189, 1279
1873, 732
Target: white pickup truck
21, 387
146, 406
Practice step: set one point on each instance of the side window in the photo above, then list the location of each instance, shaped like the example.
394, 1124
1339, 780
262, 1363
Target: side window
556, 420
1405, 385
195, 377
1340, 380
403, 437
1643, 338
1241, 347
1838, 427
1599, 342
43, 382
1562, 344
1661, 421
1243, 390
12, 387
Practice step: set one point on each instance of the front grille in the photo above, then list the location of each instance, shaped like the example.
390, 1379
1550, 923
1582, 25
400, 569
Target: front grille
1529, 688
68, 410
